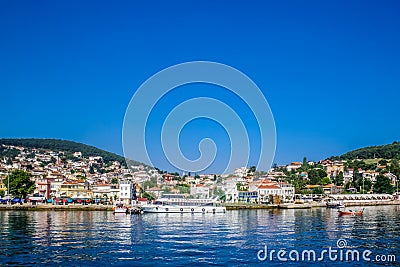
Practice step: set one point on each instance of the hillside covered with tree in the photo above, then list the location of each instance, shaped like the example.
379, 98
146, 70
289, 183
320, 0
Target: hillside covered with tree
389, 151
61, 145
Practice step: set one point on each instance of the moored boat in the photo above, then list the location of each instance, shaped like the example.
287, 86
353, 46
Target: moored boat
178, 203
120, 208
335, 204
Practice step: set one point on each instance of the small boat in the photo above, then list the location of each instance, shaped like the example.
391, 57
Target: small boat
350, 213
120, 208
135, 210
335, 204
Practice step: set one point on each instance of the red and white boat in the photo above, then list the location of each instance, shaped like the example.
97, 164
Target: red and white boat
350, 213
120, 208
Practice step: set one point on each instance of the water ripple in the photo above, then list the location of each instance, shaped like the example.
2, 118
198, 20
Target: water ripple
76, 238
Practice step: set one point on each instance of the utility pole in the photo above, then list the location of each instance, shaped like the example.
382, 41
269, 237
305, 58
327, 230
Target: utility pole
8, 190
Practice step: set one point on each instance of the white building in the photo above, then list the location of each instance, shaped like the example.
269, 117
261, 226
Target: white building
230, 188
370, 175
241, 172
293, 166
101, 191
267, 189
200, 191
125, 192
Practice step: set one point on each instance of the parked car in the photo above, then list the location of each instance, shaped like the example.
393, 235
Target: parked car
16, 200
6, 199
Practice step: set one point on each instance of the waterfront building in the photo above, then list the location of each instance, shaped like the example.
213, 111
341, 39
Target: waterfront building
55, 188
102, 190
231, 190
75, 189
126, 192
200, 191
248, 196
44, 187
267, 189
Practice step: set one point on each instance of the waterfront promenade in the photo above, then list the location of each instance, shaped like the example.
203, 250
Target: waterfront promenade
229, 206
308, 205
27, 206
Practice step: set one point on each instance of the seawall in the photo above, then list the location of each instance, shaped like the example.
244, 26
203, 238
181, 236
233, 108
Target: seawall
55, 207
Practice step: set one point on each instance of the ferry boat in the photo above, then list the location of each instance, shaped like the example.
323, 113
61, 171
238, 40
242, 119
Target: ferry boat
178, 203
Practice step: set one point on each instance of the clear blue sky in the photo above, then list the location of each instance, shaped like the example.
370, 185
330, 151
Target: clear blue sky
330, 70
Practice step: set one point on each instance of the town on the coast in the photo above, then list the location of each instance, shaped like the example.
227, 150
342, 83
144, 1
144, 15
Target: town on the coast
34, 176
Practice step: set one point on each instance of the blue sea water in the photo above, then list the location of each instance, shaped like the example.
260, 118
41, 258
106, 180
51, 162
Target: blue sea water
237, 238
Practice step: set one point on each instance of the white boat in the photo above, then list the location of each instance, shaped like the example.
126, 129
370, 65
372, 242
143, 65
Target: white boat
335, 204
120, 208
178, 203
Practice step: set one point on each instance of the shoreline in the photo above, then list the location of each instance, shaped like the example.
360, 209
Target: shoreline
57, 207
229, 206
238, 206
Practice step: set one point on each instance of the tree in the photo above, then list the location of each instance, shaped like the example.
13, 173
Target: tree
382, 185
318, 191
20, 183
304, 165
219, 193
114, 180
339, 179
383, 162
325, 181
315, 175
150, 183
252, 169
183, 188
91, 169
395, 167
356, 176
149, 196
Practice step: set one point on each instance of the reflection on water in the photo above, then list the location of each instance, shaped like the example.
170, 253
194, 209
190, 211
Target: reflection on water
71, 238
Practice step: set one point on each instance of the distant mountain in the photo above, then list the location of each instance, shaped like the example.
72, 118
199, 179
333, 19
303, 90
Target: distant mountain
385, 151
65, 146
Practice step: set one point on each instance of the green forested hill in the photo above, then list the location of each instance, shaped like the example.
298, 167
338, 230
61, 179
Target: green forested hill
64, 145
385, 151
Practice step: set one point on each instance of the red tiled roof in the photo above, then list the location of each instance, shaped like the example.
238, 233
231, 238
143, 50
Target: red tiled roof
268, 187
